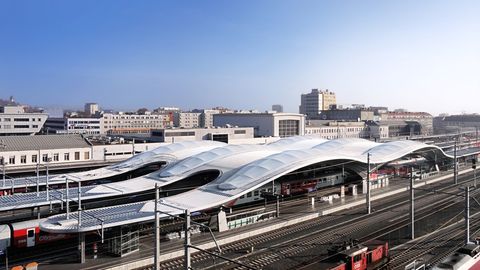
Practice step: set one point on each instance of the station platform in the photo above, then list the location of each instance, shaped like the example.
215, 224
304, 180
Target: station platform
173, 249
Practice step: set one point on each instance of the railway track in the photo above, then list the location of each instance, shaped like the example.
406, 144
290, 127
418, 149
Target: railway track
265, 256
433, 248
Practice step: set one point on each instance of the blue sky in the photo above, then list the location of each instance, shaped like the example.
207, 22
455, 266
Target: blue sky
419, 55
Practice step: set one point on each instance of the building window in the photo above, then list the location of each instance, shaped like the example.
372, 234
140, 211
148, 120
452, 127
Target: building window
34, 158
55, 157
241, 131
77, 155
288, 128
66, 156
23, 159
11, 160
86, 156
45, 157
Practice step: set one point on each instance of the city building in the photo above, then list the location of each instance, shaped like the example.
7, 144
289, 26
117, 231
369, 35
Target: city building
277, 108
186, 119
15, 121
456, 123
206, 117
73, 125
313, 103
336, 130
197, 134
124, 123
407, 124
26, 152
347, 115
264, 124
91, 108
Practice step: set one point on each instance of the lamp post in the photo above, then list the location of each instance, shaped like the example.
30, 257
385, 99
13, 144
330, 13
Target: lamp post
47, 188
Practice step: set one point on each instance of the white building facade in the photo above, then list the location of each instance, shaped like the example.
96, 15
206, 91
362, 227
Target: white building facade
15, 121
187, 119
72, 125
264, 124
197, 134
337, 130
122, 123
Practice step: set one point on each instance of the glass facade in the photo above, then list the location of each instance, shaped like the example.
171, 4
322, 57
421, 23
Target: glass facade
287, 128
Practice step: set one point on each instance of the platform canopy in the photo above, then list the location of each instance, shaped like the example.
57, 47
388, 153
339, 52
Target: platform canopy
241, 180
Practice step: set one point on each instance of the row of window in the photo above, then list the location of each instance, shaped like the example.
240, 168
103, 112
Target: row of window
46, 158
21, 119
136, 117
18, 126
256, 193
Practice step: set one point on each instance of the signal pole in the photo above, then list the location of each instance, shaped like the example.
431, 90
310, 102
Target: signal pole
369, 205
412, 206
455, 169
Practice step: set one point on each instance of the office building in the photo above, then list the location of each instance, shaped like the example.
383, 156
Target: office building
407, 124
73, 125
186, 119
197, 134
264, 124
91, 108
15, 121
124, 123
318, 100
336, 130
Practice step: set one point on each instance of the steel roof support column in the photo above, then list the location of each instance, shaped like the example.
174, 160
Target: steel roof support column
38, 179
156, 258
81, 247
467, 215
67, 203
187, 263
79, 196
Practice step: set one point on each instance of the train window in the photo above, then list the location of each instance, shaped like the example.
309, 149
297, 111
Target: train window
249, 194
256, 193
31, 233
324, 179
357, 258
269, 190
243, 196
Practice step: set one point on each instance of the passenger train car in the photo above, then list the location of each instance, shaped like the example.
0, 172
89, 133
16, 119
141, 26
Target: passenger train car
27, 234
292, 187
465, 258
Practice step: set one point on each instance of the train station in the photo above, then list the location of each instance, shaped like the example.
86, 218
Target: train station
211, 183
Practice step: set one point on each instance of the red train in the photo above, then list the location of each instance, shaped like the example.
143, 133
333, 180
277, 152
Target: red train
370, 255
26, 234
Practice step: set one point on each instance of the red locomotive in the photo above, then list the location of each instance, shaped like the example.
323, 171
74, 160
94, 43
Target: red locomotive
353, 256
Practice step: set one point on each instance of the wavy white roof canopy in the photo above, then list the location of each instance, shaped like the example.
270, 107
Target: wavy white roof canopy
233, 157
165, 153
249, 177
